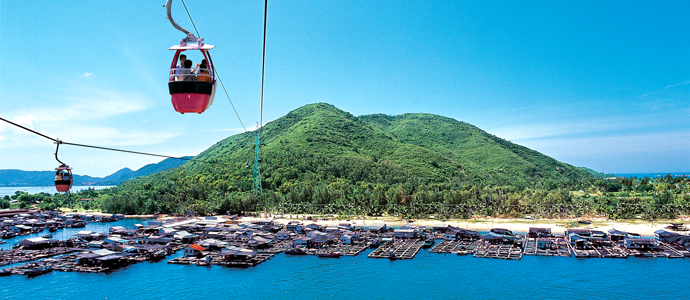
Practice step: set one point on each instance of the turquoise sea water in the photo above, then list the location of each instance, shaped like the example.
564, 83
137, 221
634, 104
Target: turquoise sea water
653, 175
427, 276
9, 190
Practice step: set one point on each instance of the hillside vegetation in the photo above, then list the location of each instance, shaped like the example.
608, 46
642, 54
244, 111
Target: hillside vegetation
320, 160
319, 154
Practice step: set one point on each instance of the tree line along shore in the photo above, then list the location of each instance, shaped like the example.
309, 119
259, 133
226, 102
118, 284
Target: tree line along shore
614, 198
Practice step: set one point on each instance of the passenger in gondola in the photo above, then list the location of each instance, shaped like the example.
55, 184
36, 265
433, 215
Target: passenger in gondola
187, 73
203, 74
180, 67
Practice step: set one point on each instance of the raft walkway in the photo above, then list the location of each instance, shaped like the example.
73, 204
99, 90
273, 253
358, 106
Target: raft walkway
353, 250
21, 256
461, 247
503, 251
559, 248
673, 251
218, 260
402, 249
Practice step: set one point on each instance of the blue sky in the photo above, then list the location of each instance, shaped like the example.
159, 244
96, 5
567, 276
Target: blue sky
599, 85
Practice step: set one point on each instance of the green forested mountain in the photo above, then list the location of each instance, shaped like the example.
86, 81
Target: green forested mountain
320, 154
10, 177
321, 144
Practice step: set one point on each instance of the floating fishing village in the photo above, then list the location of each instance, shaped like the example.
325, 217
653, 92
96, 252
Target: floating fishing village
241, 241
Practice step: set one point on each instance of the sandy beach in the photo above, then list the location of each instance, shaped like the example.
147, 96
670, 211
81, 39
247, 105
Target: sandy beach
642, 227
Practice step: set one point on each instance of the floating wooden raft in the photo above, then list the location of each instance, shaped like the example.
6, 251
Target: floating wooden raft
560, 248
459, 247
531, 246
499, 251
673, 252
352, 250
611, 250
403, 249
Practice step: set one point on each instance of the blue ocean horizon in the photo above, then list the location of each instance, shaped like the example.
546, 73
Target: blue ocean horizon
9, 190
652, 175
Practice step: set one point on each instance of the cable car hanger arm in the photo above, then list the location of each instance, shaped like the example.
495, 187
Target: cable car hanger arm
58, 142
190, 36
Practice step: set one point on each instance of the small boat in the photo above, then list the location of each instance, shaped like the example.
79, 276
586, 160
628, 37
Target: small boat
392, 256
142, 219
78, 225
330, 254
428, 243
5, 272
47, 236
8, 235
37, 272
52, 229
296, 251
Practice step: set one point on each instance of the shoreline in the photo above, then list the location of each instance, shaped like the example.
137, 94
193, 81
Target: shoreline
558, 226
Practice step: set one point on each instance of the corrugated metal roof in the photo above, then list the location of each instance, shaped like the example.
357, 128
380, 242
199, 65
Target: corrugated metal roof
103, 252
197, 247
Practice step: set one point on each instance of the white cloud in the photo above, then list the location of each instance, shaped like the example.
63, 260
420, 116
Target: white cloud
613, 145
91, 104
2, 138
77, 131
27, 121
540, 131
230, 129
110, 137
676, 84
662, 92
87, 74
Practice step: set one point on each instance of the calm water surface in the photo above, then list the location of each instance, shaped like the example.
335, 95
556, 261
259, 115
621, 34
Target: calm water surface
427, 276
46, 189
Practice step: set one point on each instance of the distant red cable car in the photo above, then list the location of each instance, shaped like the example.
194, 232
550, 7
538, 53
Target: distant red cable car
63, 178
191, 92
63, 173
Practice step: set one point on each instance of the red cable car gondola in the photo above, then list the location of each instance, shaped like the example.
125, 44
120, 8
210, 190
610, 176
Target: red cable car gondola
63, 178
191, 92
63, 173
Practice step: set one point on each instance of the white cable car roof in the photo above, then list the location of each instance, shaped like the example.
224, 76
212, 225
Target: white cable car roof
192, 47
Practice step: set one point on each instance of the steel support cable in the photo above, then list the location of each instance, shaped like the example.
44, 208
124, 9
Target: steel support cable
263, 68
29, 129
106, 148
216, 71
231, 104
190, 18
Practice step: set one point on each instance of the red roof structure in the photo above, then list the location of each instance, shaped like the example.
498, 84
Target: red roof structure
197, 247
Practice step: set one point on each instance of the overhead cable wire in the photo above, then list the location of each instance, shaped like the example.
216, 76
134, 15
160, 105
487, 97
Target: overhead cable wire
217, 75
263, 68
190, 18
233, 105
104, 148
29, 129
